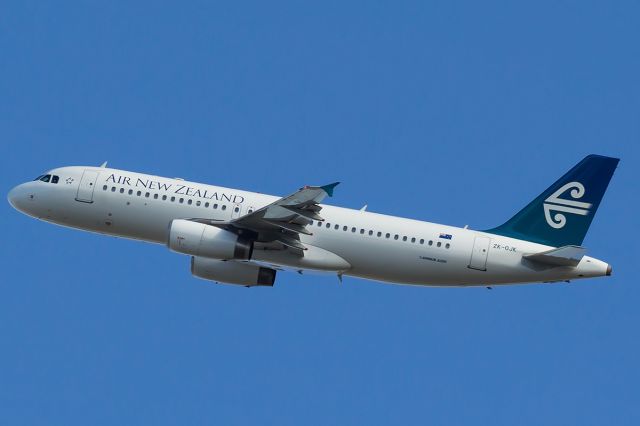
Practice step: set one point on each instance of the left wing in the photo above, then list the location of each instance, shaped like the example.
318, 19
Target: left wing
283, 220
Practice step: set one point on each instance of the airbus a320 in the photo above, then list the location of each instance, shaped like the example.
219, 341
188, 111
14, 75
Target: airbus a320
246, 238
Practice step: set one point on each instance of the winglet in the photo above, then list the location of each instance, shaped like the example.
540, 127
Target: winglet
329, 188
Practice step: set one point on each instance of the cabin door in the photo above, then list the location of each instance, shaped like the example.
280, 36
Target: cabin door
479, 253
87, 186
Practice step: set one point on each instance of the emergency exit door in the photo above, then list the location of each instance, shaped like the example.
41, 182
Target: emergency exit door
87, 186
479, 253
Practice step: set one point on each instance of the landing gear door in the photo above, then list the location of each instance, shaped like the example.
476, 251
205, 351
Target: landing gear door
479, 253
87, 186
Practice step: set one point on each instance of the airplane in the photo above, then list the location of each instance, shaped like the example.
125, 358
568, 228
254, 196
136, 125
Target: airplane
245, 238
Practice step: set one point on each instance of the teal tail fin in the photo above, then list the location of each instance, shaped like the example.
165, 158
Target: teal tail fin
561, 215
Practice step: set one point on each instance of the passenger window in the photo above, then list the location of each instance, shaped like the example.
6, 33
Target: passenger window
237, 209
430, 242
319, 223
113, 189
139, 193
104, 188
173, 199
447, 245
189, 201
395, 237
55, 179
439, 244
147, 195
45, 178
344, 228
328, 225
206, 204
370, 232
379, 234
387, 235
421, 240
353, 229
361, 231
413, 240
130, 191
404, 238
122, 190
181, 200
198, 203
215, 206
336, 227
155, 196
224, 207
164, 197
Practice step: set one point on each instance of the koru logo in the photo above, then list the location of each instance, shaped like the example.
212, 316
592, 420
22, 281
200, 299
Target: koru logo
556, 204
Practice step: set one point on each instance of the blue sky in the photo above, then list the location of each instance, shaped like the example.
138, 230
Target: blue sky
456, 112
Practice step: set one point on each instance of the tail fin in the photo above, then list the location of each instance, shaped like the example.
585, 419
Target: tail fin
561, 215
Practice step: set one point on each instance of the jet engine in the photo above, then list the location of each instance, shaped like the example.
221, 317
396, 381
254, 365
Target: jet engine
230, 272
197, 239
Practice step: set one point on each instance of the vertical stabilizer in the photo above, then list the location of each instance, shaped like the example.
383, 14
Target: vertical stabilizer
561, 215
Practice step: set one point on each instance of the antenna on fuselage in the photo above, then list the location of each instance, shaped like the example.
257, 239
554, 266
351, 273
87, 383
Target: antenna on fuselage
103, 165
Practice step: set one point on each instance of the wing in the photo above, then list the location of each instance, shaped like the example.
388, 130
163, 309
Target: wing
283, 220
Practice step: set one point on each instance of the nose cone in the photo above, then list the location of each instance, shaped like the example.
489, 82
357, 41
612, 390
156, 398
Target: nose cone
18, 198
12, 196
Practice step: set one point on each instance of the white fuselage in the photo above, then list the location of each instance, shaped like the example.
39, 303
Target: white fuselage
374, 246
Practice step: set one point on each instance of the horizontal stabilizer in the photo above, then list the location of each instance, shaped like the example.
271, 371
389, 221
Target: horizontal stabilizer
562, 256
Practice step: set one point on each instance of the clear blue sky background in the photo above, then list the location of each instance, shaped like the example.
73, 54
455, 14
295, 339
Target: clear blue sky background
457, 112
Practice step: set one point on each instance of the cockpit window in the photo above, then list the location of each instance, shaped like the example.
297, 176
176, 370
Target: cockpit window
48, 178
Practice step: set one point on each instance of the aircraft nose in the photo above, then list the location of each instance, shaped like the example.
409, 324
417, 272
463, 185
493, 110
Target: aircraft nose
18, 197
12, 196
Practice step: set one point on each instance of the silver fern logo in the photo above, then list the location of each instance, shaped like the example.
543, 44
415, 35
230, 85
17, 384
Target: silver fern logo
562, 205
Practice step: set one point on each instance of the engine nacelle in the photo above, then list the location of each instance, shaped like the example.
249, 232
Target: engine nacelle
230, 272
197, 239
